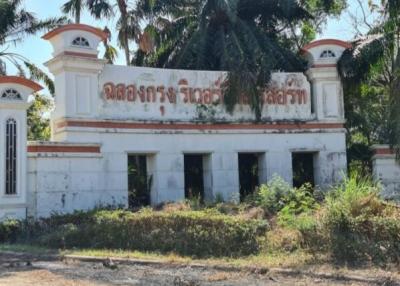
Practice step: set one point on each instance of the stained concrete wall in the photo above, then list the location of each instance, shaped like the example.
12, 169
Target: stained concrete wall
65, 182
84, 182
387, 171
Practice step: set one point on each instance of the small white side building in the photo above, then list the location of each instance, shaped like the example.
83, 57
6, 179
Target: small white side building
386, 169
106, 114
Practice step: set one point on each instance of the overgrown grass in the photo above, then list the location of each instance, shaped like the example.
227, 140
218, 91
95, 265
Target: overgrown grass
278, 226
360, 227
196, 233
26, 248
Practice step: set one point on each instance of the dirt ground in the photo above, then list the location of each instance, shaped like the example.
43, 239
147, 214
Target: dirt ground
21, 270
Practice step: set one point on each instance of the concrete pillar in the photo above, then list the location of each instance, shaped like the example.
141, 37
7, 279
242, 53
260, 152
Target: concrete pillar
263, 168
225, 176
167, 177
329, 168
207, 178
280, 163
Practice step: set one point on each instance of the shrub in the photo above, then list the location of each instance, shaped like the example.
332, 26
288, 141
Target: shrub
272, 196
283, 239
299, 204
10, 230
360, 227
200, 234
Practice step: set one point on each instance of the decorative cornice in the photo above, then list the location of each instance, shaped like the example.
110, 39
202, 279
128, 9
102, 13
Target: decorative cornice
62, 148
80, 27
200, 126
323, 42
22, 81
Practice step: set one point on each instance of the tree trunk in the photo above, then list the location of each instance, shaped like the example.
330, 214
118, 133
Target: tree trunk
78, 11
127, 52
123, 9
77, 17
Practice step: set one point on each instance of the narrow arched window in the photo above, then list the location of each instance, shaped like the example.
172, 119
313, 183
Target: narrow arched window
80, 42
11, 157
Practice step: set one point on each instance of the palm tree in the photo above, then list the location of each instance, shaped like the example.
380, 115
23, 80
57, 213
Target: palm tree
239, 36
15, 24
97, 8
111, 52
128, 28
73, 7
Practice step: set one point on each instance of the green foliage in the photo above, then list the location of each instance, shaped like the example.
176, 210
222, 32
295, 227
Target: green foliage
355, 197
38, 121
16, 24
240, 36
360, 227
9, 230
279, 197
97, 8
370, 75
299, 204
272, 196
200, 234
365, 78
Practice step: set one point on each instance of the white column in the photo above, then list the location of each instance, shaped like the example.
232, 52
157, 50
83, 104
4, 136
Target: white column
263, 168
225, 174
208, 178
280, 163
168, 177
329, 168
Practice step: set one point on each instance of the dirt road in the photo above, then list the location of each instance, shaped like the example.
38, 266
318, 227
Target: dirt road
21, 270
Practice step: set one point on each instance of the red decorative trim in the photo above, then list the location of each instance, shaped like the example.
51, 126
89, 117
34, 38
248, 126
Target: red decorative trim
384, 151
80, 27
191, 126
76, 54
63, 149
335, 42
324, 66
22, 81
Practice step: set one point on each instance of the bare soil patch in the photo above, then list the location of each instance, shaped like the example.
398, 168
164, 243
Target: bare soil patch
34, 270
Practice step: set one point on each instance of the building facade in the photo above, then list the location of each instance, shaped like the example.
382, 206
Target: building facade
108, 118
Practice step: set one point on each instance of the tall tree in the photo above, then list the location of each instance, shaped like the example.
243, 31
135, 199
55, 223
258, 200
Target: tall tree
370, 71
243, 37
74, 7
128, 28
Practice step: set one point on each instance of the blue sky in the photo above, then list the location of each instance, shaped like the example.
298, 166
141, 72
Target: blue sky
39, 51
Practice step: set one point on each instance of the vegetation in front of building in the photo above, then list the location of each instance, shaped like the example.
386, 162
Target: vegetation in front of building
195, 233
351, 225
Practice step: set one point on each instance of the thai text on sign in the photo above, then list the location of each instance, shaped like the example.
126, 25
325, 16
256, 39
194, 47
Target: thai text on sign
291, 93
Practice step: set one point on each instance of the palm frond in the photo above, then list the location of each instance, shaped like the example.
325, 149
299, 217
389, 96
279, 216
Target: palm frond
37, 74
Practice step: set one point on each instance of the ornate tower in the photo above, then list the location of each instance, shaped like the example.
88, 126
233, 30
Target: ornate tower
75, 67
14, 93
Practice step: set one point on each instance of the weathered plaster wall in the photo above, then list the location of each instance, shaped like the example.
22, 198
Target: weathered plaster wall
387, 171
167, 149
182, 95
61, 182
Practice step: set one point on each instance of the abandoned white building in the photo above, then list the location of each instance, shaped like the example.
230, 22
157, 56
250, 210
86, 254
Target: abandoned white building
112, 122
